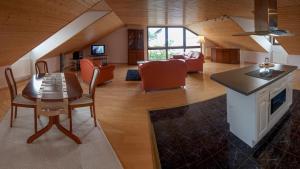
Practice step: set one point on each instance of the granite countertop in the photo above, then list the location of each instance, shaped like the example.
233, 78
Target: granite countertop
238, 80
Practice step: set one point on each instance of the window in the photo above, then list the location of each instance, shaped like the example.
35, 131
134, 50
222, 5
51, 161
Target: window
163, 42
157, 54
192, 39
156, 37
175, 37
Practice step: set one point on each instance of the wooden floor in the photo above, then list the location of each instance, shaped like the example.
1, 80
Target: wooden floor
122, 109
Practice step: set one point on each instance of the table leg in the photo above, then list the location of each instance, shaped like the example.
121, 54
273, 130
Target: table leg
53, 120
65, 131
42, 131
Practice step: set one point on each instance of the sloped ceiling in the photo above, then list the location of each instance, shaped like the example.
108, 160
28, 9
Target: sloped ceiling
194, 14
220, 32
289, 18
178, 12
25, 24
92, 33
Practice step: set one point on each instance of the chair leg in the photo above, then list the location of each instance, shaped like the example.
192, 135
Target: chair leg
11, 115
91, 111
35, 120
16, 111
94, 112
70, 119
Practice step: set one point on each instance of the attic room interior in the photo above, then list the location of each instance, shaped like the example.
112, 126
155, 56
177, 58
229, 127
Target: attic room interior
150, 84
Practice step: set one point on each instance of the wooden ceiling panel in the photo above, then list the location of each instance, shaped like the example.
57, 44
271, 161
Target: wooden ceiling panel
92, 33
289, 19
25, 24
178, 12
220, 32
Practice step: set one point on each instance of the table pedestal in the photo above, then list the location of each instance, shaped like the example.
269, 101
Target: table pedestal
54, 120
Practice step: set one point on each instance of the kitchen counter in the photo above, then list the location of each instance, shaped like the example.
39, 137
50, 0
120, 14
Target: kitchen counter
257, 98
239, 81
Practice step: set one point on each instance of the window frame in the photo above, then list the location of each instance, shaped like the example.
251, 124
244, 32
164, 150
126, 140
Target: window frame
167, 47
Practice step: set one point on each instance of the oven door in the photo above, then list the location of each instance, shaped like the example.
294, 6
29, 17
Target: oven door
278, 99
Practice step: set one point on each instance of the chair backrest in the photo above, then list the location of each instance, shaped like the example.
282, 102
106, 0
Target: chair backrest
41, 67
11, 83
93, 83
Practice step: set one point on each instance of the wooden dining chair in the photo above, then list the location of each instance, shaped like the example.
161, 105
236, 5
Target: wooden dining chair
86, 99
41, 67
18, 100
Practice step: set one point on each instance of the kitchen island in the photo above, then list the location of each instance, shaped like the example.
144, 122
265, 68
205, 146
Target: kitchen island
257, 98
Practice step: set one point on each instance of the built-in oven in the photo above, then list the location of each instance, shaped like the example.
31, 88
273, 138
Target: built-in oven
277, 100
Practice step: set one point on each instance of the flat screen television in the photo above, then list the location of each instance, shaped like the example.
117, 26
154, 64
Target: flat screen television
97, 50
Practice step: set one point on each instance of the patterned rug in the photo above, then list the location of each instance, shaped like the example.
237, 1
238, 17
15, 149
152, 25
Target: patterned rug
197, 136
54, 150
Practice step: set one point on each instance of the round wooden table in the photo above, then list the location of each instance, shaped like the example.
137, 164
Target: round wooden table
74, 91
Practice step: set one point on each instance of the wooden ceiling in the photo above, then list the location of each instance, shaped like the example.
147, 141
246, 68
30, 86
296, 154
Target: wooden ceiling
193, 12
178, 12
289, 19
25, 24
220, 32
92, 33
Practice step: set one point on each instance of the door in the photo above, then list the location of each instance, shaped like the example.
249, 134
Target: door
262, 115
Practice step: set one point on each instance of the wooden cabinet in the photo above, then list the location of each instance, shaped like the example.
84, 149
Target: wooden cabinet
263, 112
135, 46
220, 55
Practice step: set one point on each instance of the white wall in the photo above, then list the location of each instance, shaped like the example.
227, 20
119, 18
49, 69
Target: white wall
116, 44
22, 69
253, 57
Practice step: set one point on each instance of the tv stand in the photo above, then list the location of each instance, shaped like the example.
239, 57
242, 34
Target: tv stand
102, 59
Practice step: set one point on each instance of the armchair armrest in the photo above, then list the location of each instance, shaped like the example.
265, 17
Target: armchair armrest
178, 57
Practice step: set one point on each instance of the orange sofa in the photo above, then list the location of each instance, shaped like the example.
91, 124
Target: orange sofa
157, 75
87, 67
194, 61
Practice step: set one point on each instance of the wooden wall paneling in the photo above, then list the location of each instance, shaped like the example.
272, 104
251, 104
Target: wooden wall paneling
178, 12
92, 33
220, 32
289, 19
25, 24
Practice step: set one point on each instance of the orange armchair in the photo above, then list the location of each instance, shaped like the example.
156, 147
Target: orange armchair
158, 75
87, 67
194, 61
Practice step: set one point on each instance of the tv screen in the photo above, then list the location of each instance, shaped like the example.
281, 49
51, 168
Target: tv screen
97, 50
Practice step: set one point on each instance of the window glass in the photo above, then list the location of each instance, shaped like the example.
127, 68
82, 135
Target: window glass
191, 39
163, 42
172, 52
157, 54
156, 37
175, 37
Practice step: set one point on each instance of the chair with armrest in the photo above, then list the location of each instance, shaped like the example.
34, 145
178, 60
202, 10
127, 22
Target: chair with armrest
87, 67
87, 100
41, 67
18, 100
194, 61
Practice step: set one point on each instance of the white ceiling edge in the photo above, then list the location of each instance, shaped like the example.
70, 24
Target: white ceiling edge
64, 35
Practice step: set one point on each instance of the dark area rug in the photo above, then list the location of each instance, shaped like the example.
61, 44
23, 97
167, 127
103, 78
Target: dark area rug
133, 75
197, 136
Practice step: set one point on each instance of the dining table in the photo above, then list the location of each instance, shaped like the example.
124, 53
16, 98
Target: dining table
73, 91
